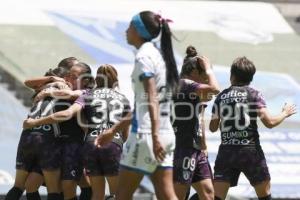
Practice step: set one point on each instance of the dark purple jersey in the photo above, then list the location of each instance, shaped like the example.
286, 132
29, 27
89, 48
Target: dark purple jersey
39, 146
103, 107
44, 108
70, 130
187, 107
237, 108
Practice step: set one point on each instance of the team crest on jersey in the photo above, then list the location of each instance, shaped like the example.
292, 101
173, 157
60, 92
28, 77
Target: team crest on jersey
73, 173
186, 174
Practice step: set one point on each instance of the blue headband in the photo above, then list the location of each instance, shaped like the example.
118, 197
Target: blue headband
140, 27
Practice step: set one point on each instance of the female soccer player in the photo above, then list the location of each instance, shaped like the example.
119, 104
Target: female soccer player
71, 134
150, 146
191, 167
35, 178
39, 147
102, 107
235, 112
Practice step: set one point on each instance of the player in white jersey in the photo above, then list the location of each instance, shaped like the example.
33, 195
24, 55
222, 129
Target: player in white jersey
150, 146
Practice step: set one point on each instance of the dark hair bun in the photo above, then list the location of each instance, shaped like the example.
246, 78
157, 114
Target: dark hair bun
191, 51
58, 71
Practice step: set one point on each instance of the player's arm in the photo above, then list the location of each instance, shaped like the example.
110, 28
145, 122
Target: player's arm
57, 117
215, 117
125, 134
214, 123
150, 90
271, 121
59, 85
126, 126
205, 91
58, 94
37, 83
121, 127
202, 126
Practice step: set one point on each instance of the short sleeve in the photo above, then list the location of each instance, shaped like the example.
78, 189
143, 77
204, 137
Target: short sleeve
260, 100
193, 87
81, 100
189, 86
196, 87
145, 67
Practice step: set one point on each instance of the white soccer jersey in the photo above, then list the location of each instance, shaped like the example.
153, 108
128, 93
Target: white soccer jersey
149, 63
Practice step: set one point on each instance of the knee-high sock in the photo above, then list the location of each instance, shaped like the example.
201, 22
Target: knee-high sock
54, 196
14, 193
86, 193
266, 197
194, 197
217, 198
110, 197
33, 196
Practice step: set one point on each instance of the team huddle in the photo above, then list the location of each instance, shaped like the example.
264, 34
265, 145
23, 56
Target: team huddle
81, 130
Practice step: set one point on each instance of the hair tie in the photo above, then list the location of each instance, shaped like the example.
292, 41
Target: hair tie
162, 19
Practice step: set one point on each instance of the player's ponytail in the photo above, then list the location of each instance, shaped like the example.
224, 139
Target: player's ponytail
168, 55
152, 25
